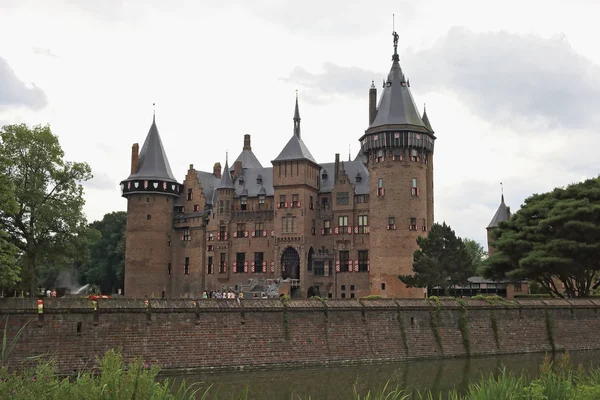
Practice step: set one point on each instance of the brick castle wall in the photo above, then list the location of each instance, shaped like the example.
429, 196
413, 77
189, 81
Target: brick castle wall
185, 334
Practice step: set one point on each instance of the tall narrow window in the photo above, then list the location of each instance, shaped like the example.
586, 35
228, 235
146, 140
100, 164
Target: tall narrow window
211, 237
414, 190
227, 206
380, 156
258, 262
391, 223
240, 259
413, 224
363, 260
210, 265
343, 221
222, 233
282, 203
363, 222
243, 203
295, 201
189, 194
310, 203
241, 230
259, 227
186, 267
261, 202
326, 227
344, 260
220, 206
424, 225
380, 189
169, 268
186, 235
222, 263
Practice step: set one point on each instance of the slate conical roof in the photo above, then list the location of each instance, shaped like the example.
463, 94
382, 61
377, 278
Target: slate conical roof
295, 149
502, 214
226, 181
396, 105
425, 119
248, 160
152, 161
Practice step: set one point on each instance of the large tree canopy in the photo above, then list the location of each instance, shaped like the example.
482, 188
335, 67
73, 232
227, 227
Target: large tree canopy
554, 239
443, 260
46, 221
107, 254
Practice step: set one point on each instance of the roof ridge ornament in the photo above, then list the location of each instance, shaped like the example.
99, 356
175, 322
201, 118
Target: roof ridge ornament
297, 118
395, 57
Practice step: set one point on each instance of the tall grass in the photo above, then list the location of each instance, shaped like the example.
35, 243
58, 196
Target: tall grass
114, 380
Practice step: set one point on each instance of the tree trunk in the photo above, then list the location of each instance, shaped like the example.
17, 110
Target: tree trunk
30, 275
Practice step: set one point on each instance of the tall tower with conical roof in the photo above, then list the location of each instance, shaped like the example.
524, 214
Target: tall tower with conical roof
398, 146
151, 191
296, 185
502, 214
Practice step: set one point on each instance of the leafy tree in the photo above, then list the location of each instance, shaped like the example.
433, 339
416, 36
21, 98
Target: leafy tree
107, 254
9, 266
478, 254
443, 260
46, 222
554, 239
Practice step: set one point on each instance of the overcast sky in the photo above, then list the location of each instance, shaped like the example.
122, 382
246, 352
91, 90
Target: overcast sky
512, 87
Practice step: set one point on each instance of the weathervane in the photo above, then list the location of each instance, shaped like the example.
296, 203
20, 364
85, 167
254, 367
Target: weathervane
395, 35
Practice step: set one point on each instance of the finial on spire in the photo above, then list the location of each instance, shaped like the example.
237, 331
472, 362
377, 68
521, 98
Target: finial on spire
349, 152
297, 118
395, 57
226, 156
502, 191
372, 84
153, 111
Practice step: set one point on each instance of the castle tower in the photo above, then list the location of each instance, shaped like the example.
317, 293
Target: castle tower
502, 215
398, 146
151, 191
295, 184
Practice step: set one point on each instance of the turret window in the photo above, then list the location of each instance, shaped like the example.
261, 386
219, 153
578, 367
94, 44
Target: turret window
413, 224
222, 263
380, 188
326, 227
282, 202
391, 223
424, 225
414, 190
414, 155
169, 268
211, 267
186, 235
220, 206
186, 267
380, 156
397, 155
295, 201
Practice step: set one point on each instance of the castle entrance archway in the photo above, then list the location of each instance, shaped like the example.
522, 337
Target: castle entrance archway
290, 264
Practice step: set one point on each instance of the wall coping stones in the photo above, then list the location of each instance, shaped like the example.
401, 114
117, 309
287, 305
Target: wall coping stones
66, 305
175, 305
19, 305
307, 304
379, 304
262, 305
122, 305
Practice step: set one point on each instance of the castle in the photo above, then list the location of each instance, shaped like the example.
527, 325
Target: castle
337, 229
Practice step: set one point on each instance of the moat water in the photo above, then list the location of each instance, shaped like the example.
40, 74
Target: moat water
339, 382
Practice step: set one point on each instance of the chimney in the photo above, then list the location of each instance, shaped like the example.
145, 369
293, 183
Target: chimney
134, 157
372, 103
217, 170
247, 142
336, 168
237, 168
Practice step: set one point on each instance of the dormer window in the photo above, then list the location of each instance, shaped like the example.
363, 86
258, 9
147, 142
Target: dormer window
243, 202
261, 202
414, 155
241, 180
380, 156
259, 179
358, 177
324, 175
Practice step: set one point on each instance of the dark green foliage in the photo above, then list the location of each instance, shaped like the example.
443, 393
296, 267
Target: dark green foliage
442, 260
554, 240
44, 202
106, 265
477, 252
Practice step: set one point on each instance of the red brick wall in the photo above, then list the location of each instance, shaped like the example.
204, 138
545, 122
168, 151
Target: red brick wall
178, 334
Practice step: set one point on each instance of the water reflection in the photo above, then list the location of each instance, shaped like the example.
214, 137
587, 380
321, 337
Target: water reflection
333, 383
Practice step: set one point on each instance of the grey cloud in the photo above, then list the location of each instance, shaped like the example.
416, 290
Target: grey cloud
503, 77
13, 91
40, 51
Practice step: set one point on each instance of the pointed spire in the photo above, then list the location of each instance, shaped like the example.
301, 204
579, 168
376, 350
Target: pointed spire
373, 84
425, 118
503, 212
502, 191
152, 160
226, 182
297, 118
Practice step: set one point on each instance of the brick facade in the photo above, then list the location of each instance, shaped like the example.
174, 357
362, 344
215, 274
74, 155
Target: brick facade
182, 334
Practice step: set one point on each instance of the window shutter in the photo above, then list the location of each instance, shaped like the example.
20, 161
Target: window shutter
245, 234
394, 226
286, 205
356, 229
323, 232
337, 230
272, 266
349, 230
368, 229
235, 234
264, 233
272, 233
383, 191
278, 205
299, 204
218, 235
368, 266
350, 266
417, 191
253, 267
235, 267
388, 227
246, 266
225, 266
337, 266
253, 233
225, 235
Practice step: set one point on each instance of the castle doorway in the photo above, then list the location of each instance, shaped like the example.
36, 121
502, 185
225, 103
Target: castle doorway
290, 264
